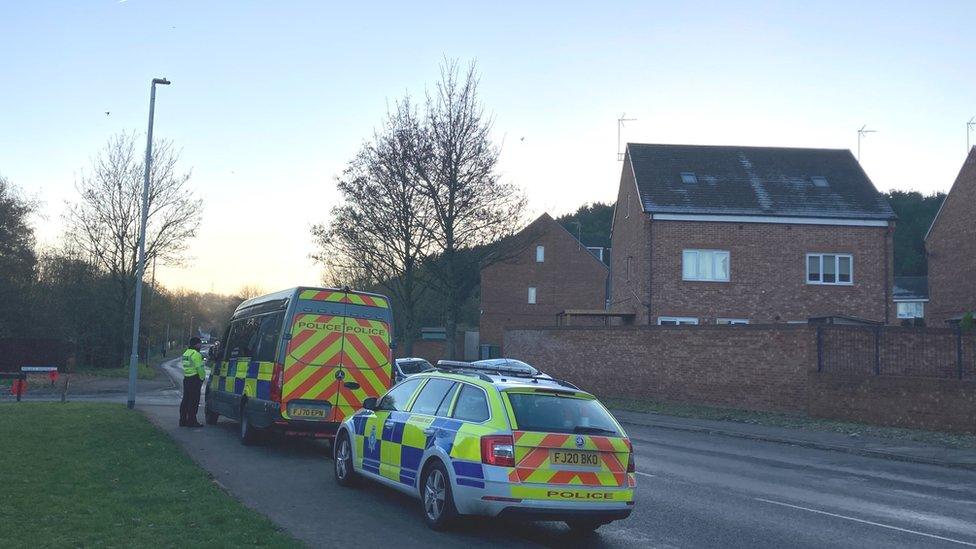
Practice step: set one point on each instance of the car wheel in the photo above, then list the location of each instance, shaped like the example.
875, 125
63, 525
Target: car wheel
436, 498
248, 434
345, 475
583, 526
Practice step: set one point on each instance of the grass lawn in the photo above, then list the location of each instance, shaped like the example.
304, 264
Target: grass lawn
792, 421
143, 370
82, 474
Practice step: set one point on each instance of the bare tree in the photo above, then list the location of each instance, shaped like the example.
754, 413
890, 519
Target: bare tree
472, 205
249, 291
380, 234
104, 222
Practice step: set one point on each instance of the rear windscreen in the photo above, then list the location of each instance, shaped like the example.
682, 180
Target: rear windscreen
551, 413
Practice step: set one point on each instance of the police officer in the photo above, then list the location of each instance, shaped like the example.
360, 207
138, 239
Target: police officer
193, 376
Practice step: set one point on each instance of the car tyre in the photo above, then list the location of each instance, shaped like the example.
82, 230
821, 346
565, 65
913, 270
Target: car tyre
248, 434
345, 474
436, 497
583, 526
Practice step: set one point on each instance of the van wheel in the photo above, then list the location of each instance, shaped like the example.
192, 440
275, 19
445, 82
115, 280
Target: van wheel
345, 475
436, 498
209, 415
583, 526
248, 434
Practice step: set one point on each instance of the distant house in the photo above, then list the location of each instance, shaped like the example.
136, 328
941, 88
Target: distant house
910, 296
536, 275
950, 245
735, 235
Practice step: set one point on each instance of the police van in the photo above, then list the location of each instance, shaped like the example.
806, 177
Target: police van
300, 361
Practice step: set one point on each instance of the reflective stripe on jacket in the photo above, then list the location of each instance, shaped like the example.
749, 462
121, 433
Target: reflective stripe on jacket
193, 364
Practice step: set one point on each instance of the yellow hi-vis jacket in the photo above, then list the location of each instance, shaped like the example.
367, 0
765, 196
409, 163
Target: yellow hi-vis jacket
193, 364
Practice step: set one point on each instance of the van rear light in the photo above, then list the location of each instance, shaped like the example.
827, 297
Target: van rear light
498, 450
276, 382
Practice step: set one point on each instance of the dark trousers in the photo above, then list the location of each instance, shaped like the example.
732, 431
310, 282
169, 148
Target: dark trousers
191, 399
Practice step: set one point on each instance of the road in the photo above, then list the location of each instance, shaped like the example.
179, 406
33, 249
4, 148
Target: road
695, 490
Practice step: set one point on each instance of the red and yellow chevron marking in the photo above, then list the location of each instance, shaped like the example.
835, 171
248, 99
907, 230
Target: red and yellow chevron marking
533, 466
337, 296
314, 353
366, 361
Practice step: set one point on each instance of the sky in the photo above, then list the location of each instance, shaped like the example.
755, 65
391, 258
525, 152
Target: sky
270, 100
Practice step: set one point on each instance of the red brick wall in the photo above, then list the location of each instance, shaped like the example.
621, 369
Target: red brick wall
951, 250
770, 368
570, 277
767, 272
758, 368
630, 244
913, 402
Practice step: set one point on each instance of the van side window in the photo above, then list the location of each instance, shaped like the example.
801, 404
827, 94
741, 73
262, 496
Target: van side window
472, 405
243, 338
267, 337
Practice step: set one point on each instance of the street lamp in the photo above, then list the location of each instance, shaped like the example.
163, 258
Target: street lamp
141, 267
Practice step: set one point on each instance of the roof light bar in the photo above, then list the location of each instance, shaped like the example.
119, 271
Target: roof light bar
498, 365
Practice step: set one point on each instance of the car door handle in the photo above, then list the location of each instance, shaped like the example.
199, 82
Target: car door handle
388, 422
431, 431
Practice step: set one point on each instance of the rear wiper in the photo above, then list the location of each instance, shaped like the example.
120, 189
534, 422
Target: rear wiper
592, 430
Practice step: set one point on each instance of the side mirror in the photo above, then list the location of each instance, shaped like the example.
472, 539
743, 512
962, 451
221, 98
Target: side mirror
369, 403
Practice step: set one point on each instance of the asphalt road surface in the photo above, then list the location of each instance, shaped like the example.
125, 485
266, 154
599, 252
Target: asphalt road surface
694, 490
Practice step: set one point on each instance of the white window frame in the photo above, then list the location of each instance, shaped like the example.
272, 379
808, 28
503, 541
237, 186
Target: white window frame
697, 252
532, 295
837, 256
540, 254
678, 320
731, 321
918, 303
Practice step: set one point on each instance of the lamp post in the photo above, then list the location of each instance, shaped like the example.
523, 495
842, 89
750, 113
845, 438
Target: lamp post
141, 266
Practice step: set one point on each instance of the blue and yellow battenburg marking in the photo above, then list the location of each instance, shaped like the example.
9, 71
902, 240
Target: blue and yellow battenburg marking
393, 446
242, 376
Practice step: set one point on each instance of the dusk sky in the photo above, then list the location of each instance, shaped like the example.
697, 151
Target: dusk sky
269, 100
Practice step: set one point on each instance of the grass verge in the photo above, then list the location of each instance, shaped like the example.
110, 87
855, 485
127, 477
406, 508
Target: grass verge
99, 475
792, 421
144, 370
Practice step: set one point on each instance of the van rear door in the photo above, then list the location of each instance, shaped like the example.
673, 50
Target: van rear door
312, 366
365, 365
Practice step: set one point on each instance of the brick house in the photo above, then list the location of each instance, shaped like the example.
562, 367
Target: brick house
726, 235
537, 274
950, 245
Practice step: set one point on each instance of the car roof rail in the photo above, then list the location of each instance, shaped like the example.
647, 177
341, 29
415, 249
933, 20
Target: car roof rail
461, 372
500, 366
565, 383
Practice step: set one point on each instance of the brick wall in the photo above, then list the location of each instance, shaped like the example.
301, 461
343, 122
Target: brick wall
767, 272
569, 277
767, 368
913, 402
951, 250
759, 368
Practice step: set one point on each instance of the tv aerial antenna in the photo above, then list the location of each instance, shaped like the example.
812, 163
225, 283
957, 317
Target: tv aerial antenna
862, 133
620, 124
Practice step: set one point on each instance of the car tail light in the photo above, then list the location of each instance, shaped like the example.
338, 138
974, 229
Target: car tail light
631, 464
276, 382
498, 450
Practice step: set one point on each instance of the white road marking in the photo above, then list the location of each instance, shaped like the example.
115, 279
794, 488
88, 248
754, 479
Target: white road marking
878, 524
646, 474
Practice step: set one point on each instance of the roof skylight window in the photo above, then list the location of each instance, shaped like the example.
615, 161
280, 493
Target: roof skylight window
819, 181
688, 177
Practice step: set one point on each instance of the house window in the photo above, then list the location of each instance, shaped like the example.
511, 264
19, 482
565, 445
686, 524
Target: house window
540, 254
706, 265
532, 295
676, 321
830, 269
911, 309
731, 321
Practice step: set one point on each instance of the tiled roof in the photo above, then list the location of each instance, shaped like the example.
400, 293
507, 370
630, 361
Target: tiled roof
766, 181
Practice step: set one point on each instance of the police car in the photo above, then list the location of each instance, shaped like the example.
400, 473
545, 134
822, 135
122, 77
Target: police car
492, 437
